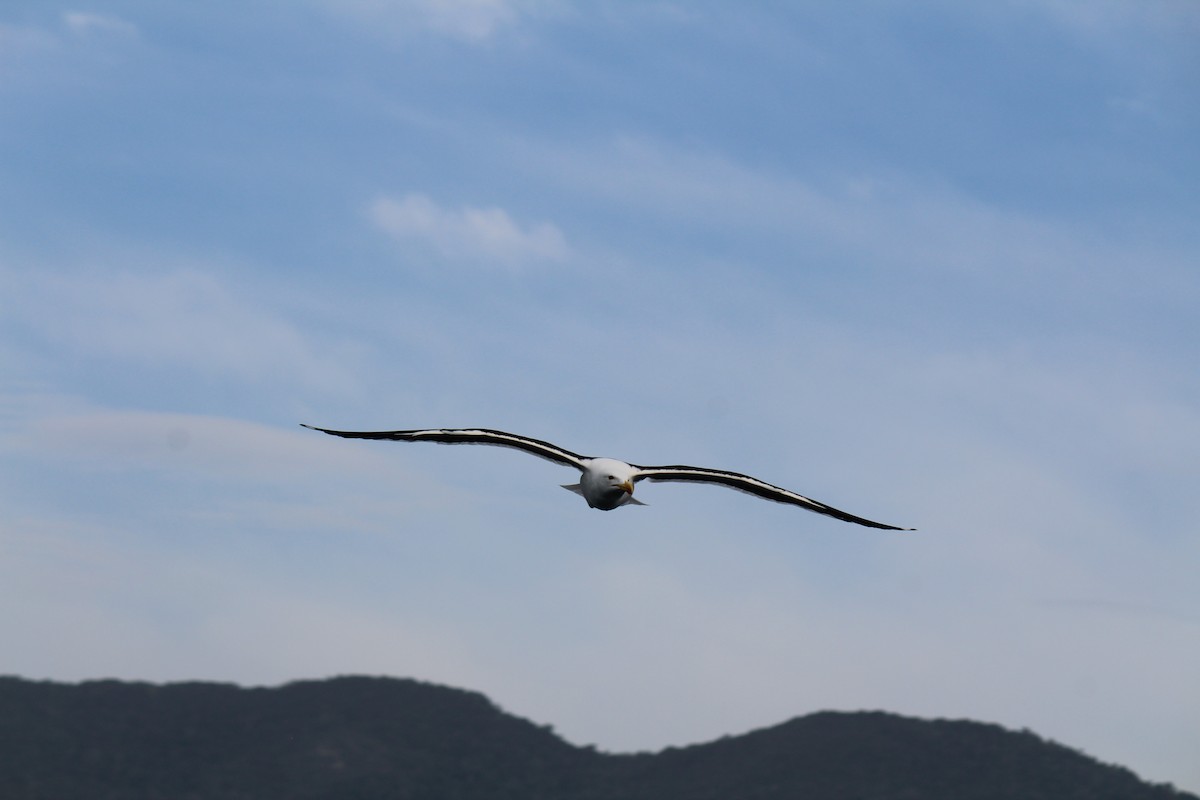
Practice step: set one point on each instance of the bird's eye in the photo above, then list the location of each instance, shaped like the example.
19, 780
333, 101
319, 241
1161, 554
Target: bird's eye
612, 477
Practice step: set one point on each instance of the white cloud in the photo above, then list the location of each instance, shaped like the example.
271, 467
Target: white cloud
481, 234
1116, 19
467, 20
74, 52
83, 23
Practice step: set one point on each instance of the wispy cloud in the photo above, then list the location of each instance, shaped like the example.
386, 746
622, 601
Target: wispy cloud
259, 477
73, 51
880, 220
471, 21
468, 19
1113, 18
203, 446
480, 234
180, 318
22, 40
82, 23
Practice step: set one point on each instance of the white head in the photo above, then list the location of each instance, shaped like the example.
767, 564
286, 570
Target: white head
607, 483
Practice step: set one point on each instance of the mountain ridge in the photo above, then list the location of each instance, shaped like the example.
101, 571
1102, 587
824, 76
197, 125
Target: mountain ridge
378, 738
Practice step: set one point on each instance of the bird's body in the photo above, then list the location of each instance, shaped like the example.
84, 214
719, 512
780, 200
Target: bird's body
606, 483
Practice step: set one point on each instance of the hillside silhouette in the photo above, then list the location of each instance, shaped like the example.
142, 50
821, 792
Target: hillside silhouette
361, 738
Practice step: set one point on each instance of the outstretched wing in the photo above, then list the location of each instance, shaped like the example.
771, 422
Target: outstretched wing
536, 447
745, 483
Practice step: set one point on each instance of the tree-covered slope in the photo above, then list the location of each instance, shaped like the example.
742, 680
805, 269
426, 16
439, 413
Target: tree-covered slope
386, 739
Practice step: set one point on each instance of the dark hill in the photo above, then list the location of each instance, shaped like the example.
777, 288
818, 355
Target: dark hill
379, 738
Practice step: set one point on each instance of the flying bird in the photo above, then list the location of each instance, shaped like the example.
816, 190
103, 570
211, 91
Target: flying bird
605, 482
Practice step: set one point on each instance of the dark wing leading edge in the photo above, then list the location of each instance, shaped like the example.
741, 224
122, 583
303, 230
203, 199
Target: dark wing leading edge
536, 447
744, 483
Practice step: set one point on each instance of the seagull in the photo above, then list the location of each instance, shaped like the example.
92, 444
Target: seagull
606, 483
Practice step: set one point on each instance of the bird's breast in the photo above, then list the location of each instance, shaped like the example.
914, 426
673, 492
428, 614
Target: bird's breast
607, 500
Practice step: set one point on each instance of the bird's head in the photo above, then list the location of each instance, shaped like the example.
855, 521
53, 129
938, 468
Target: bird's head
614, 474
608, 482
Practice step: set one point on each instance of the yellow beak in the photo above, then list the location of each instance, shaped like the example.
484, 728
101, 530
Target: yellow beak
626, 487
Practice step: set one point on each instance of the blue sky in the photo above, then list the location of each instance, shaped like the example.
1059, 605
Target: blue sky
932, 263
